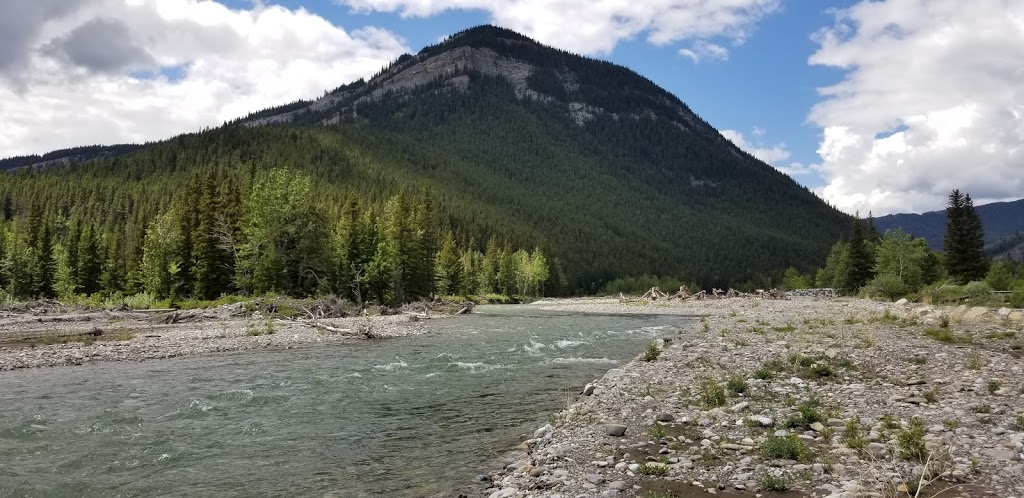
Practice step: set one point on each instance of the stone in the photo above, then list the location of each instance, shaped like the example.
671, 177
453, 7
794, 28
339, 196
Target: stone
614, 430
664, 417
618, 486
504, 493
739, 407
916, 401
589, 389
902, 302
1004, 312
536, 472
539, 433
817, 427
1015, 316
593, 478
958, 312
762, 421
613, 374
976, 313
916, 382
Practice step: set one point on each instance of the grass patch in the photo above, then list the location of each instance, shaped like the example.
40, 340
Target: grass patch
993, 386
853, 436
657, 431
910, 443
974, 361
785, 448
789, 327
654, 469
807, 414
771, 482
711, 393
948, 336
736, 385
983, 408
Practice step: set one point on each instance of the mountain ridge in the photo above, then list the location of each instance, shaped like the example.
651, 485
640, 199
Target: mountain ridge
1000, 219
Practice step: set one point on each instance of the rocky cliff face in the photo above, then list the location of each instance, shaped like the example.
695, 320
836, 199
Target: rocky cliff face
499, 53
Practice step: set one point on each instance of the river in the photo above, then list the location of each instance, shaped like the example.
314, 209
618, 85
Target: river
418, 416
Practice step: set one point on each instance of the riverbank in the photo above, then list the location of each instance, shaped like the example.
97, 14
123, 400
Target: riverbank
61, 337
838, 398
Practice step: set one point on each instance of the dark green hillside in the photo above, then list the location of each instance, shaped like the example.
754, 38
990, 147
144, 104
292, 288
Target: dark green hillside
595, 165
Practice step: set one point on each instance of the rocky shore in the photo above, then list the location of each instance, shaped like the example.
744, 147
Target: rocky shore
837, 398
30, 340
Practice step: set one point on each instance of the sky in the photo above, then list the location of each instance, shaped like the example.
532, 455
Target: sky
880, 106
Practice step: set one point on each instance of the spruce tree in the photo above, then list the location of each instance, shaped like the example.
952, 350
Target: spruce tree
964, 241
860, 262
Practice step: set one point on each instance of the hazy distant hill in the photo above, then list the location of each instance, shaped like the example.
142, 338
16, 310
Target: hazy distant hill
1001, 220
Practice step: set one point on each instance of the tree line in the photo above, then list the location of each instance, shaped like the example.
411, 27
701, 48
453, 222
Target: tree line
896, 264
255, 233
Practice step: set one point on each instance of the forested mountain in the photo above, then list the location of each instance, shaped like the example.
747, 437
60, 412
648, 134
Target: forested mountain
606, 173
1000, 219
67, 156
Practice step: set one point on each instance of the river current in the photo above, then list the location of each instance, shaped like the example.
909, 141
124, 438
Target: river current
410, 417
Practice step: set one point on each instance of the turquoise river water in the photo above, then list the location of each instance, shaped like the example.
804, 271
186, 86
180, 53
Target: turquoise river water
418, 416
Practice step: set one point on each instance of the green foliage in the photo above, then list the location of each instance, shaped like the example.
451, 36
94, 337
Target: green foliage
657, 431
1000, 276
964, 241
770, 482
736, 385
853, 435
788, 447
652, 352
910, 444
807, 414
945, 335
793, 279
711, 394
653, 469
978, 292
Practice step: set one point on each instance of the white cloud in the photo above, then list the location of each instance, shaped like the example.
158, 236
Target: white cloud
702, 50
770, 154
597, 26
70, 83
931, 100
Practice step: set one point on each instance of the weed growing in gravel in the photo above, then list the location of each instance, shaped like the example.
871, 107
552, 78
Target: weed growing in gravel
807, 414
654, 469
852, 320
736, 384
657, 431
771, 482
854, 436
944, 322
711, 394
910, 443
950, 424
993, 386
947, 336
983, 408
1002, 334
890, 422
918, 360
789, 327
764, 374
974, 361
788, 447
652, 352
704, 324
931, 395
1018, 424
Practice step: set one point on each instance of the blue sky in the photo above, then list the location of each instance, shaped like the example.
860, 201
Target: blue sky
876, 105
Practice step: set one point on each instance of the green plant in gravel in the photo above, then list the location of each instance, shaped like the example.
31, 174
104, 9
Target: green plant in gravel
771, 482
853, 436
993, 386
974, 361
652, 352
910, 444
657, 431
711, 393
1018, 423
918, 360
950, 424
736, 384
930, 395
764, 374
890, 422
788, 447
653, 469
807, 414
789, 327
947, 336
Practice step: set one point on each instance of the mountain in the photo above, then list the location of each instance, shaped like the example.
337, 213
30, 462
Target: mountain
595, 164
67, 156
1001, 220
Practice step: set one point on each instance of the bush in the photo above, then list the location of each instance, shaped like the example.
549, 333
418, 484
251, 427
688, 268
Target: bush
736, 385
946, 294
910, 444
978, 292
771, 482
654, 469
1017, 298
652, 352
788, 447
711, 394
887, 286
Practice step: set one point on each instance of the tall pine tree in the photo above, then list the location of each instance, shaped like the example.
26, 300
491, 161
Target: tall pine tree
964, 241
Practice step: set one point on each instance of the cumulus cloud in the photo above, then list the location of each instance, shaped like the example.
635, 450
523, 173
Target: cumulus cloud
775, 155
703, 50
597, 26
931, 100
108, 71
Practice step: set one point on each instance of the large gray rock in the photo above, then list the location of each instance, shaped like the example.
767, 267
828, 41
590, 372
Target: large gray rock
614, 430
975, 314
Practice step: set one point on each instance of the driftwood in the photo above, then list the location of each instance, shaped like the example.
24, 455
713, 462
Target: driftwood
177, 316
654, 294
700, 296
683, 294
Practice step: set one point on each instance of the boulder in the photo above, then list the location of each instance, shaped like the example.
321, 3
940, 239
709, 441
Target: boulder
974, 314
958, 312
1015, 316
614, 430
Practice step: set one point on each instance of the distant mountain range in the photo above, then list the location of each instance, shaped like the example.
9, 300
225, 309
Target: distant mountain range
1003, 221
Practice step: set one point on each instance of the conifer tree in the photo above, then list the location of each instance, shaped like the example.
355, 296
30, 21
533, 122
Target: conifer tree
449, 266
859, 259
45, 270
964, 240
